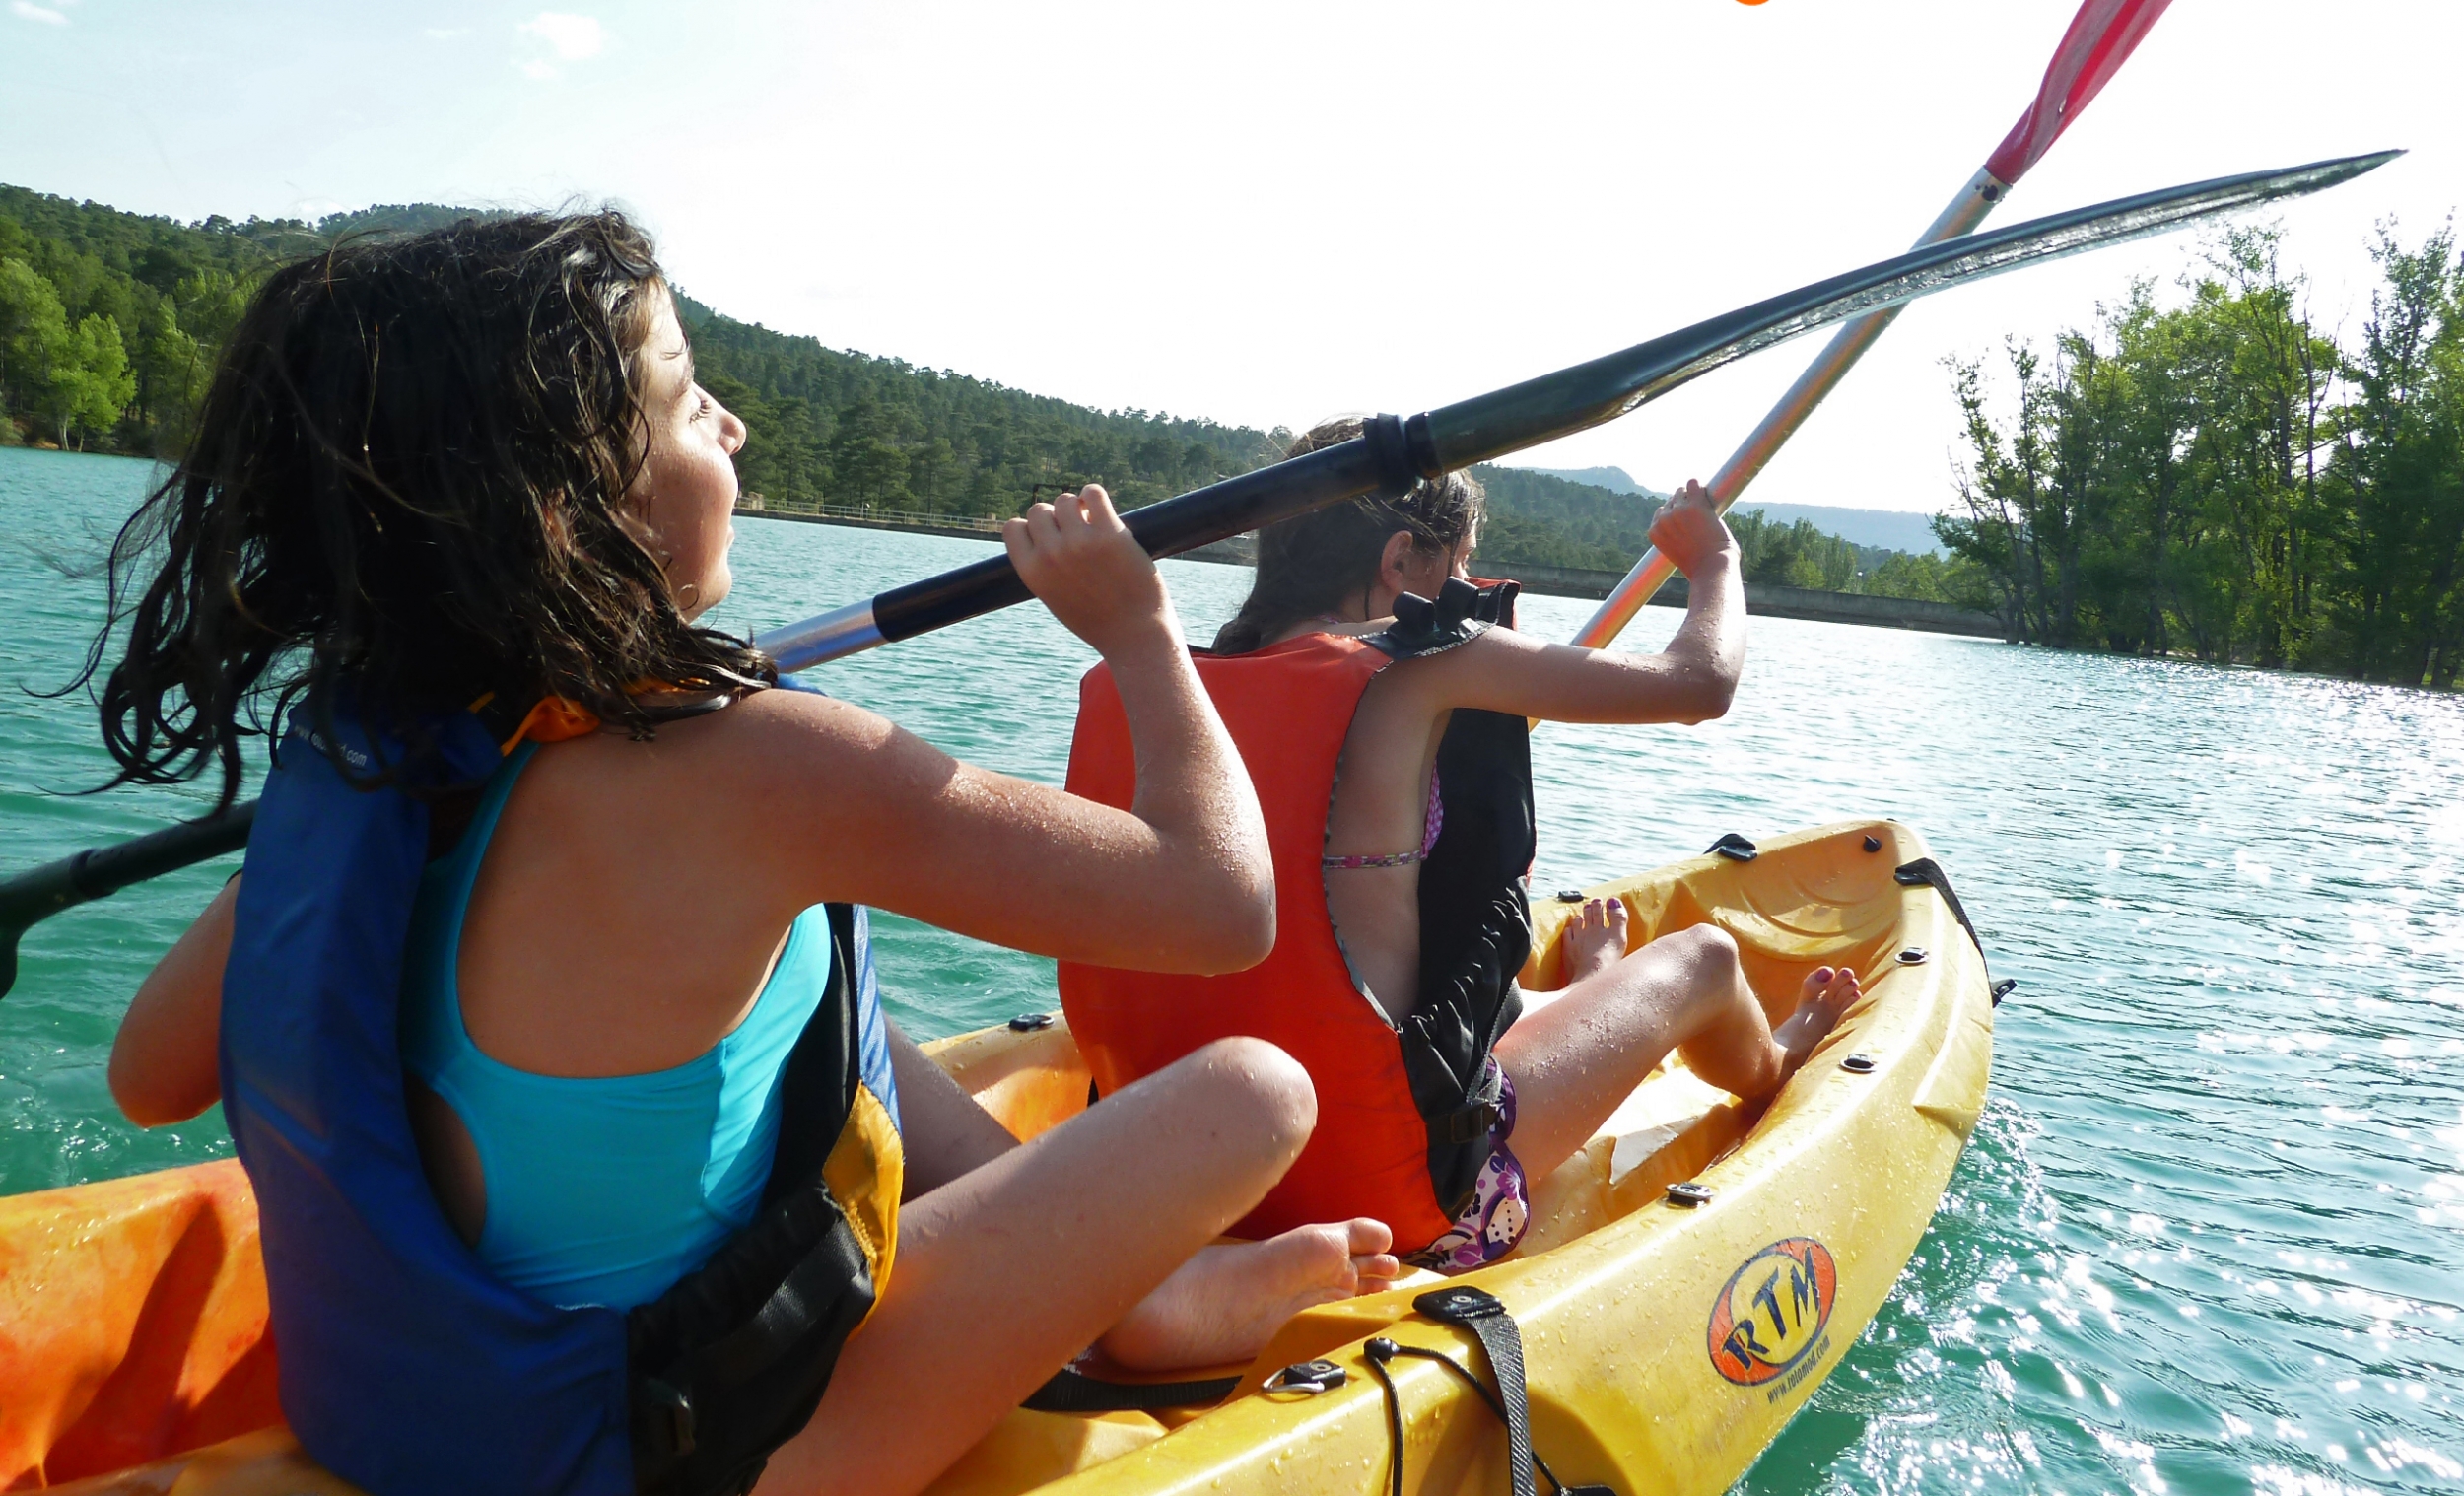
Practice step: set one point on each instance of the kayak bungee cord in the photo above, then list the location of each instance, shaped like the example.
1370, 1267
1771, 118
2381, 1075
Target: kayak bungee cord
1389, 455
2100, 38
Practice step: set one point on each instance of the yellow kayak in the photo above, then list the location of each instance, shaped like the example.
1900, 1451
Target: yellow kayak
1690, 1279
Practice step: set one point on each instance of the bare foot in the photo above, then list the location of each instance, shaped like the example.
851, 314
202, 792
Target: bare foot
1227, 1302
1828, 992
1594, 938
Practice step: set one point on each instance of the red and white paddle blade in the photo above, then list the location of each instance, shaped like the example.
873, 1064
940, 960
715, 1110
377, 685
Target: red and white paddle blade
2100, 40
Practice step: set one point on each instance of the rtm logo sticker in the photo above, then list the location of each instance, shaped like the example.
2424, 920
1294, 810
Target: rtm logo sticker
1769, 1320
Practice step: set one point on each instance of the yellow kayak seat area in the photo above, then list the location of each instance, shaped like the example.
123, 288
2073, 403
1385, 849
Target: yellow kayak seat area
1669, 1333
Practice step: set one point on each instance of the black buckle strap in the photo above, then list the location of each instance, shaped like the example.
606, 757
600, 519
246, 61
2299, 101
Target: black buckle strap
1481, 1314
1072, 1392
1422, 625
1501, 1340
764, 1374
1496, 604
1469, 1124
1925, 872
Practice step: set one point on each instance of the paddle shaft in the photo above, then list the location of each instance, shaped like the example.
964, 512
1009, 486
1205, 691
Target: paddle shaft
1390, 454
1218, 512
41, 892
1975, 200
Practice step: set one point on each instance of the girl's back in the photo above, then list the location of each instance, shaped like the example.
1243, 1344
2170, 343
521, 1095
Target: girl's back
597, 1188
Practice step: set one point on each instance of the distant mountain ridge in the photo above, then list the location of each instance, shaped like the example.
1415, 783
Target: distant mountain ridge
1876, 529
1615, 480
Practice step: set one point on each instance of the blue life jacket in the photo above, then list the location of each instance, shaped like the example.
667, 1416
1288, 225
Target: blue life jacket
405, 1368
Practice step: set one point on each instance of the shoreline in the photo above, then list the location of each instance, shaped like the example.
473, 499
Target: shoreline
1545, 581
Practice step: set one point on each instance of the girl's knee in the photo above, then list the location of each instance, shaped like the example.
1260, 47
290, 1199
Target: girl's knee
1252, 1078
1709, 947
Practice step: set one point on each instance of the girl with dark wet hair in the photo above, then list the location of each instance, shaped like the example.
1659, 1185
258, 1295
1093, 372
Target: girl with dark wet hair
1381, 703
542, 1012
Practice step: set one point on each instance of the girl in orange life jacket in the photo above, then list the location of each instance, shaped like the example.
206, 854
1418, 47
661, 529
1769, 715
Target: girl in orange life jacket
476, 464
1400, 918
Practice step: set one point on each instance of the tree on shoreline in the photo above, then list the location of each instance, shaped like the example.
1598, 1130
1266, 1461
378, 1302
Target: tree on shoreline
2398, 472
73, 379
2221, 479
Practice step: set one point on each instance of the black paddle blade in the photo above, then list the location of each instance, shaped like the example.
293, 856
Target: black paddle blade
1572, 399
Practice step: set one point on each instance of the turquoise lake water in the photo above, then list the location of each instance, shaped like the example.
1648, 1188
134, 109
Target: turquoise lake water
2208, 1236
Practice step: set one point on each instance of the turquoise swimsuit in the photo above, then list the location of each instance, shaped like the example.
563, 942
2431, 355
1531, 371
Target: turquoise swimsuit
607, 1190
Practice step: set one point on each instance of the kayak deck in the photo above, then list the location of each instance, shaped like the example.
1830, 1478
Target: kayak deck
1665, 1343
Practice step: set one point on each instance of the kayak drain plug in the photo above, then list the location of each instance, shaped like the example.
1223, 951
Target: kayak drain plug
1914, 955
1689, 1195
1858, 1065
1873, 843
1028, 1023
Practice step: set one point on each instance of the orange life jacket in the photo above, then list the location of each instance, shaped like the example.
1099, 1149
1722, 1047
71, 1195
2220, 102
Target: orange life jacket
1404, 1110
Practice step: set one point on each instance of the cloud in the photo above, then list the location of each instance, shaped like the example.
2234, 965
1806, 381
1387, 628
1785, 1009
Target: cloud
27, 10
572, 37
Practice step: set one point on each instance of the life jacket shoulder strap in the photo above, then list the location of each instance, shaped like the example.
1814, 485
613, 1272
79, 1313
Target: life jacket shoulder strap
1459, 613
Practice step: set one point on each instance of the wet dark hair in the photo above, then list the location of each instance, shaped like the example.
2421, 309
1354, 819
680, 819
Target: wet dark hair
1327, 557
410, 479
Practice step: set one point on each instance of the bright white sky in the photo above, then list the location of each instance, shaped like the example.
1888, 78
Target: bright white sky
1266, 212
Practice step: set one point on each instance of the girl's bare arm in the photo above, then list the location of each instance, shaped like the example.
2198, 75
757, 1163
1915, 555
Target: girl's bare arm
165, 1065
849, 806
1691, 680
856, 808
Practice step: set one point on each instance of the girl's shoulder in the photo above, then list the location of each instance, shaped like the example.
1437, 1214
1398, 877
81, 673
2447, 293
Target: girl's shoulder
783, 737
1483, 651
769, 749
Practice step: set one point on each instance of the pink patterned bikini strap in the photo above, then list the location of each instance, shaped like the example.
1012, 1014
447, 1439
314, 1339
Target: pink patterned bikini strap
1433, 823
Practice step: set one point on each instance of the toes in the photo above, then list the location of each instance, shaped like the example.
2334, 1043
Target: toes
1330, 1249
1367, 1237
1376, 1270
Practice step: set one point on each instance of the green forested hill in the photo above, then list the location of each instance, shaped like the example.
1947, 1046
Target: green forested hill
107, 318
109, 322
849, 427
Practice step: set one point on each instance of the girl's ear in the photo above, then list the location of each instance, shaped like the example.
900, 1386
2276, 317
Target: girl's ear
1390, 561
